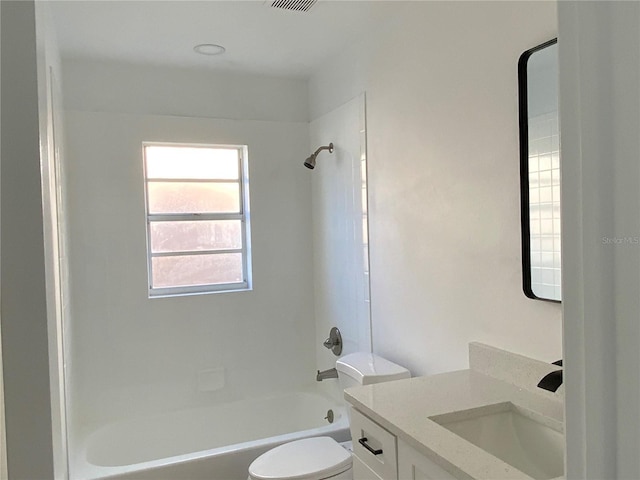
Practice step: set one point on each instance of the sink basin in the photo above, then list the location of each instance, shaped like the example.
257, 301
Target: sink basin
528, 441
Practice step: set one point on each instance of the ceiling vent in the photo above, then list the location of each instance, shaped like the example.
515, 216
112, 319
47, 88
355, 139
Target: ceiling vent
294, 5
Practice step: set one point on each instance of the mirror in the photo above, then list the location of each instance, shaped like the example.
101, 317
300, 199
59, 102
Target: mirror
540, 172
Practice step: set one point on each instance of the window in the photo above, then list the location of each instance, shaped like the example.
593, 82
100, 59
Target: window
197, 203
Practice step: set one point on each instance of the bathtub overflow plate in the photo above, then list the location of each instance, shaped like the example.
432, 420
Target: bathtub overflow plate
329, 417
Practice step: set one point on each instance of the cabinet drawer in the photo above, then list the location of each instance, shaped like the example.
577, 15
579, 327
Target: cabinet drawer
362, 472
381, 454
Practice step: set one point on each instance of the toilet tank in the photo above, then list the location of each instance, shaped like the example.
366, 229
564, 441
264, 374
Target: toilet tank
366, 368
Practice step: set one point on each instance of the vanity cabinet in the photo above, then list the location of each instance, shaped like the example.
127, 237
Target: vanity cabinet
380, 455
374, 446
412, 465
362, 472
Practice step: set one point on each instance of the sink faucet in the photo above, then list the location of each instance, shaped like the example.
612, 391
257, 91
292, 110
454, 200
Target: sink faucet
331, 373
553, 380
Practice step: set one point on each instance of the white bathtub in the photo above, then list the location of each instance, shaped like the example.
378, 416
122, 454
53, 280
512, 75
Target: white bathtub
213, 443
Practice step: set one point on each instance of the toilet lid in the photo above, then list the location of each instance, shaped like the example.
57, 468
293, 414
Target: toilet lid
309, 459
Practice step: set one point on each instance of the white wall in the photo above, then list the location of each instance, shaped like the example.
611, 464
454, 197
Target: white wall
442, 128
3, 434
341, 286
25, 343
600, 121
131, 355
104, 86
52, 159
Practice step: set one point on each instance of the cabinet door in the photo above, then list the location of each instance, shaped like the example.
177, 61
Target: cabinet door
374, 445
415, 466
362, 472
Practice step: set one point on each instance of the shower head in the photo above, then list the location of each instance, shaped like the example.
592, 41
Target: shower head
310, 162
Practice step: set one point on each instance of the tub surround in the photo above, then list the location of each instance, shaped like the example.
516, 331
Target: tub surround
405, 408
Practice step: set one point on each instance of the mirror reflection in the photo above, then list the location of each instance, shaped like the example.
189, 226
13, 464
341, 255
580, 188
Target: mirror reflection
540, 172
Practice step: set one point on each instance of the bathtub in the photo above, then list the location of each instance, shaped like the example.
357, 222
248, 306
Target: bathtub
212, 443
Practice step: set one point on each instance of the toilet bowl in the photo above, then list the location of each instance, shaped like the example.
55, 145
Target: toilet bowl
320, 458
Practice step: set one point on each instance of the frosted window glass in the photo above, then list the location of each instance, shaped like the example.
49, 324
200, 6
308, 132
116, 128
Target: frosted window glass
195, 236
192, 162
189, 270
178, 197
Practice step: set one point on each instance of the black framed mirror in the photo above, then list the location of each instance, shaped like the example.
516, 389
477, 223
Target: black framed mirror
540, 172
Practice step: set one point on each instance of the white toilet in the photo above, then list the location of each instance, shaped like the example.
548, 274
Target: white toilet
320, 458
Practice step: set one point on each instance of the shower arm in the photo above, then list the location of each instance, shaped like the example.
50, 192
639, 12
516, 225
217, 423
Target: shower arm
325, 147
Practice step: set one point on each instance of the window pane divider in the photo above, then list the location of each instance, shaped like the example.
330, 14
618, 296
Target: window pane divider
190, 217
193, 180
185, 253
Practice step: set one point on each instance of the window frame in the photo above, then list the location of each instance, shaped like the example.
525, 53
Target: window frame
243, 215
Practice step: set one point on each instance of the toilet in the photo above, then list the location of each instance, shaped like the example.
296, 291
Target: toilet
319, 458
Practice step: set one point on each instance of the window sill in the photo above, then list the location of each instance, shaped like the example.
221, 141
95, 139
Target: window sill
196, 293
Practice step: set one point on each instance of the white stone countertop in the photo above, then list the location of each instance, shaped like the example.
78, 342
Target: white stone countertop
404, 406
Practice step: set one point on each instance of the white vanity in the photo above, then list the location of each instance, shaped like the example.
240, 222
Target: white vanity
488, 422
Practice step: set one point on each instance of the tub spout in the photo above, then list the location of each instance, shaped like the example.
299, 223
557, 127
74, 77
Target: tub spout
331, 373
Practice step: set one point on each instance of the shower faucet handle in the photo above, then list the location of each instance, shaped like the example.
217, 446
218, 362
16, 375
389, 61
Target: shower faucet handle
329, 342
334, 342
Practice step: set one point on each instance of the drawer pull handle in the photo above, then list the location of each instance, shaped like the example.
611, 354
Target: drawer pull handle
363, 442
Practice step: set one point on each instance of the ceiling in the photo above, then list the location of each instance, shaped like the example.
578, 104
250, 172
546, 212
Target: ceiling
258, 38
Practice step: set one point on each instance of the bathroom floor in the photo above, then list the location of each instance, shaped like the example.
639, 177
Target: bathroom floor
347, 445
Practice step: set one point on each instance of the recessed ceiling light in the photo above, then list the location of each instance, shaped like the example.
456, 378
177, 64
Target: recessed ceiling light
209, 49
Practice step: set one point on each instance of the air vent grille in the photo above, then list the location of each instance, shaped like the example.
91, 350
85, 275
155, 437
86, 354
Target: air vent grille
295, 5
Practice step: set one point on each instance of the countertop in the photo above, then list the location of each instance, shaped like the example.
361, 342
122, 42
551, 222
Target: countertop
404, 406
